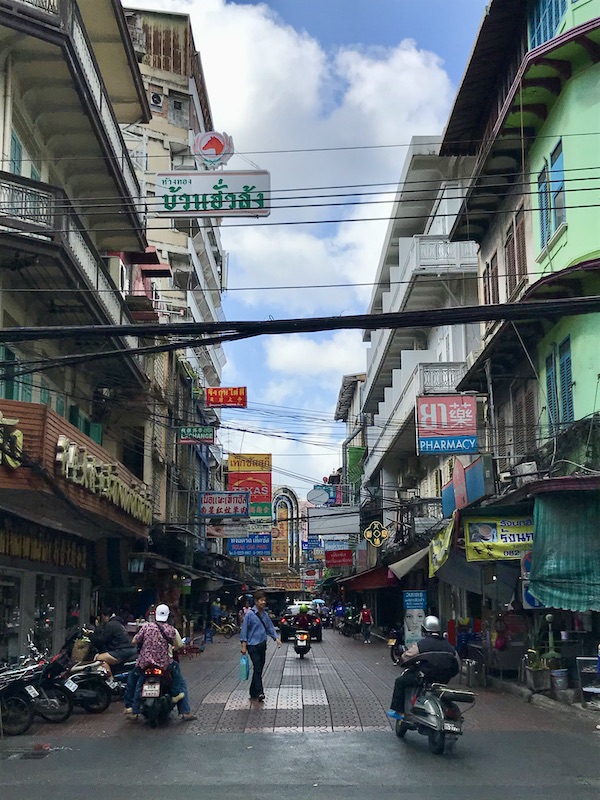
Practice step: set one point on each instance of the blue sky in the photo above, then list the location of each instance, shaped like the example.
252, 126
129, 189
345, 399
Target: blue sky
323, 94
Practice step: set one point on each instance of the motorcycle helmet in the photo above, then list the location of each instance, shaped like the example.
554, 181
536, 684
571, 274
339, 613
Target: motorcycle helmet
303, 608
431, 625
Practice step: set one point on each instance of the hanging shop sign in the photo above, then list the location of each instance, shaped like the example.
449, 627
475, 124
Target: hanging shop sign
223, 504
376, 534
447, 424
75, 465
259, 487
226, 397
338, 558
257, 544
243, 193
439, 548
196, 434
497, 539
211, 149
250, 462
468, 484
415, 609
33, 543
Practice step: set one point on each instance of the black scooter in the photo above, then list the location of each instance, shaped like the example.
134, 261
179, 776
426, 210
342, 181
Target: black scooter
156, 703
301, 642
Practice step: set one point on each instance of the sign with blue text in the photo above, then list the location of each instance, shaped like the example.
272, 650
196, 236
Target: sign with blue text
447, 424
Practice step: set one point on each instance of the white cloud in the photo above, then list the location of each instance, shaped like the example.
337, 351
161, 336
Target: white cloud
299, 355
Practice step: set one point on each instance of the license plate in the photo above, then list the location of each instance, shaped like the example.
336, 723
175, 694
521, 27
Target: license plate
450, 726
71, 685
32, 691
151, 690
301, 643
112, 684
391, 642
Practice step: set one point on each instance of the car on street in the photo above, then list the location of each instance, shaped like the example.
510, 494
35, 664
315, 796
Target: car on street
287, 628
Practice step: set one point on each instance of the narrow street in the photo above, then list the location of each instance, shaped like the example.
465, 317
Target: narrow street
322, 727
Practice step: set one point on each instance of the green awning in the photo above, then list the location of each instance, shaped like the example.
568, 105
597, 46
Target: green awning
565, 569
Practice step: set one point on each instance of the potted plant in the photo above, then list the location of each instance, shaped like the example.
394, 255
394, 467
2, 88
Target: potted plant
537, 672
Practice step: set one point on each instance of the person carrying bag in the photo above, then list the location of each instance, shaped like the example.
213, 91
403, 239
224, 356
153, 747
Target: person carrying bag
256, 627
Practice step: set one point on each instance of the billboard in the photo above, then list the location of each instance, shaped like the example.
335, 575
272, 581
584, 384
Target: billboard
257, 544
338, 558
498, 538
231, 193
258, 486
446, 424
226, 397
223, 504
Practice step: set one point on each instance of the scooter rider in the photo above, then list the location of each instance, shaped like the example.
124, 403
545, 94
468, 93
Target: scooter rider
432, 655
302, 620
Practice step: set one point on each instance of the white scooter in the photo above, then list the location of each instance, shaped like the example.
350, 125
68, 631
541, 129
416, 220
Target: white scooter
302, 642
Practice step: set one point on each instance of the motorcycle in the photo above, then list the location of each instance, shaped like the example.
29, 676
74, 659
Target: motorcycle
16, 707
301, 642
351, 626
395, 644
156, 702
433, 712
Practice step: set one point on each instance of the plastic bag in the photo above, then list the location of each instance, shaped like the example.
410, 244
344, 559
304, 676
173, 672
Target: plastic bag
244, 667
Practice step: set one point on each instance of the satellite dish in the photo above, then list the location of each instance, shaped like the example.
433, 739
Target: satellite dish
318, 496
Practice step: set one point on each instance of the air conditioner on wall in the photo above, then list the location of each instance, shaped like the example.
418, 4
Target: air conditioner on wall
472, 358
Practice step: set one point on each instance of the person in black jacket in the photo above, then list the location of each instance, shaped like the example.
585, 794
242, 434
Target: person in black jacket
432, 655
112, 641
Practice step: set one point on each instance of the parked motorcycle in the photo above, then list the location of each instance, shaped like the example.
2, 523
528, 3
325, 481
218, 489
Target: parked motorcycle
351, 626
156, 702
395, 644
16, 707
301, 642
433, 712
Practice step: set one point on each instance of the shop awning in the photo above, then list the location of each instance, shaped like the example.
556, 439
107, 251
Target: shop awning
565, 569
375, 578
404, 566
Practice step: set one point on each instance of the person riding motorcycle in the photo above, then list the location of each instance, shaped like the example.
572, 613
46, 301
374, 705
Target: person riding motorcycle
433, 656
302, 620
111, 641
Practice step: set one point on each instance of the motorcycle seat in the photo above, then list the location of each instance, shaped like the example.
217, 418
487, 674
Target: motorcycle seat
455, 695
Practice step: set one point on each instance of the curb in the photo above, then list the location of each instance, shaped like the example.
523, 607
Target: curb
542, 700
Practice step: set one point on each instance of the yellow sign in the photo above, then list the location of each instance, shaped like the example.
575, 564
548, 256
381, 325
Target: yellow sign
11, 442
250, 462
497, 538
376, 534
439, 548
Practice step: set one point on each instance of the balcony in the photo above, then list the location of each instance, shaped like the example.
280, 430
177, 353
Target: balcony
425, 264
394, 424
211, 358
44, 246
62, 91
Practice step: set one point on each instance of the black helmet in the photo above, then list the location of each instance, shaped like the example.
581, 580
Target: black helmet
431, 625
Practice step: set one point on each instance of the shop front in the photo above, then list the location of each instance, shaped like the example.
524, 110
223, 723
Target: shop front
64, 505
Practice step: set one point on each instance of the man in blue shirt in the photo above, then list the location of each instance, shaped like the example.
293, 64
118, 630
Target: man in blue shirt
256, 627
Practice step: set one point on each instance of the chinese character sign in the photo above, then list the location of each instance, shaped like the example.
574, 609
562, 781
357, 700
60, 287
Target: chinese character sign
224, 504
226, 397
447, 424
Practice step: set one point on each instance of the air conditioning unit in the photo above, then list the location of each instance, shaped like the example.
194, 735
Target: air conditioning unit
156, 100
472, 358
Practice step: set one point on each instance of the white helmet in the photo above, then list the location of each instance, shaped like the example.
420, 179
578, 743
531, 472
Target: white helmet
431, 625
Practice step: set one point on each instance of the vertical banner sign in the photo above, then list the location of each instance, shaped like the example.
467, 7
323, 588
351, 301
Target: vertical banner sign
447, 424
251, 472
415, 607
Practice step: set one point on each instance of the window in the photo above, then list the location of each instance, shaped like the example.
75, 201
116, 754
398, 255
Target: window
35, 173
551, 395
544, 204
490, 282
510, 262
557, 172
520, 249
566, 382
524, 420
16, 154
545, 17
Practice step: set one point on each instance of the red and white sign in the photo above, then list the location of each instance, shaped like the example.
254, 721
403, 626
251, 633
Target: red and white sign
257, 483
226, 397
447, 415
338, 558
212, 149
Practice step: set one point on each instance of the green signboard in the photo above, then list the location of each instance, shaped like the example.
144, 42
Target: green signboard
196, 434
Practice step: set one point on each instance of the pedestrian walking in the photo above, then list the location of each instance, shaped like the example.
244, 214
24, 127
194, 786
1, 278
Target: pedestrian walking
338, 613
256, 627
366, 620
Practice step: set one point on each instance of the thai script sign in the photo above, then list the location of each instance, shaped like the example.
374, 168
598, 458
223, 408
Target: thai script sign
338, 558
250, 462
439, 548
226, 396
74, 464
209, 194
223, 504
194, 434
493, 539
447, 424
257, 544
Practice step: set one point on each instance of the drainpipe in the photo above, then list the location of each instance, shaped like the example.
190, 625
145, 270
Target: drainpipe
6, 69
491, 406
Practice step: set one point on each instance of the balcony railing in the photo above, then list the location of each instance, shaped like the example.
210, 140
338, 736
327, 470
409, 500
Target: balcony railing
67, 15
42, 211
441, 377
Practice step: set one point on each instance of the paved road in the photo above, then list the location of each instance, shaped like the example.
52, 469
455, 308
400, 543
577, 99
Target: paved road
321, 731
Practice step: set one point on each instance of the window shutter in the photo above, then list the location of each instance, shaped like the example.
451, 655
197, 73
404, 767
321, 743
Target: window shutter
544, 203
566, 382
96, 432
530, 420
16, 154
494, 292
551, 395
518, 424
520, 249
510, 262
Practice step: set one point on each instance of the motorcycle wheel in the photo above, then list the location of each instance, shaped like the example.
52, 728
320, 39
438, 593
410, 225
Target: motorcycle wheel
437, 742
228, 631
394, 654
346, 631
16, 714
56, 707
101, 702
401, 728
301, 655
